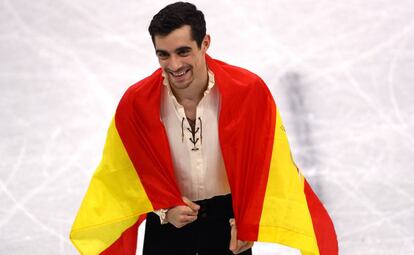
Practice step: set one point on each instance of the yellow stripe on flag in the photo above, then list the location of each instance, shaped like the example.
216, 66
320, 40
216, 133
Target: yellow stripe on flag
285, 216
114, 200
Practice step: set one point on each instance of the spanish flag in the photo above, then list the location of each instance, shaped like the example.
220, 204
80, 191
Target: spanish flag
272, 201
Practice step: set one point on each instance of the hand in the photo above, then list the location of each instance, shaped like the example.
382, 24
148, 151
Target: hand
181, 215
237, 246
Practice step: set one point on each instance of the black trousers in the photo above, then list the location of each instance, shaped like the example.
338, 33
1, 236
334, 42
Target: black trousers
208, 235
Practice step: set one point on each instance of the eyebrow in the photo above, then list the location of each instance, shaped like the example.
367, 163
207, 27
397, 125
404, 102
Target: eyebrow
183, 48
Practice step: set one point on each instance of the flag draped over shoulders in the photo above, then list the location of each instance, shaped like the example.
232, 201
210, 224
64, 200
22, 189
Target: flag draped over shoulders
272, 201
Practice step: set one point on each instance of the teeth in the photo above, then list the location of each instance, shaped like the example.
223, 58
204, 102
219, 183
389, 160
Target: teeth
178, 74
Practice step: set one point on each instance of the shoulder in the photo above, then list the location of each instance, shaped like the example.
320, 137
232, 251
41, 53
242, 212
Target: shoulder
238, 79
144, 88
146, 85
238, 74
142, 97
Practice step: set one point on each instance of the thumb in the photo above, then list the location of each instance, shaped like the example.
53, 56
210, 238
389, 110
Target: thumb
233, 235
193, 206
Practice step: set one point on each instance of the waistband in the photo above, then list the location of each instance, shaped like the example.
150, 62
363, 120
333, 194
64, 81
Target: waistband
218, 207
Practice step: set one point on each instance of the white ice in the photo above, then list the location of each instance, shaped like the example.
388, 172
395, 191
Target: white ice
342, 73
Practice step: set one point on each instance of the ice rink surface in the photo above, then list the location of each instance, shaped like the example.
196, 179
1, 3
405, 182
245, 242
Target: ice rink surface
342, 73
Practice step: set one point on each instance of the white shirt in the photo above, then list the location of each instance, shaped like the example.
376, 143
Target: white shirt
198, 162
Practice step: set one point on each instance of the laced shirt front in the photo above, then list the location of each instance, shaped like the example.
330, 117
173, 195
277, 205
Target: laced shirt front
194, 144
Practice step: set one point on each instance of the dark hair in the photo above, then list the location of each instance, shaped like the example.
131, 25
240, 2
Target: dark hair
176, 15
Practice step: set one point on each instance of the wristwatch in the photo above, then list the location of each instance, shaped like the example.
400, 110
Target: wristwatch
162, 213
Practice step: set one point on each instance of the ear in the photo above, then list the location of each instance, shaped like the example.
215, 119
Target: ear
206, 43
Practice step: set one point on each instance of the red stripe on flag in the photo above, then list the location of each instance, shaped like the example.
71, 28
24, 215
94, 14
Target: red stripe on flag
322, 224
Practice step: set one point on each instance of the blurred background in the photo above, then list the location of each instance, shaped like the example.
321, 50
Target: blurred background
342, 74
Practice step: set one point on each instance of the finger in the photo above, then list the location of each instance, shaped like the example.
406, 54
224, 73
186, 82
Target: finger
183, 220
243, 246
187, 219
186, 210
233, 236
191, 204
240, 245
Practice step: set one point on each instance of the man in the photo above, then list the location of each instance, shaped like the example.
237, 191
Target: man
179, 36
199, 150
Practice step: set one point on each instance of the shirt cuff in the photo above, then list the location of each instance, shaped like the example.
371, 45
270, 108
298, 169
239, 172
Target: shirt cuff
162, 213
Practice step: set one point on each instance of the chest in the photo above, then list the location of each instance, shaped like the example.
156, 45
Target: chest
190, 109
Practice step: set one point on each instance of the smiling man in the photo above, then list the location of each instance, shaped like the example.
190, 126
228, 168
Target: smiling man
190, 107
198, 148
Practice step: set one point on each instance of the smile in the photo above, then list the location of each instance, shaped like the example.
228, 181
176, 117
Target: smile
179, 74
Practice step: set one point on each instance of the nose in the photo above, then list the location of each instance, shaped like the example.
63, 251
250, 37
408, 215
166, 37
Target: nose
175, 63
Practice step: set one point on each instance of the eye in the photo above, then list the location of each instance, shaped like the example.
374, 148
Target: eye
184, 52
162, 55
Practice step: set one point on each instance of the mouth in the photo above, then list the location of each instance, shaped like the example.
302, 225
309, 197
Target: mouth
179, 74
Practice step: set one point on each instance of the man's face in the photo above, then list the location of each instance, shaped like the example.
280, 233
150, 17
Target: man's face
180, 57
